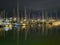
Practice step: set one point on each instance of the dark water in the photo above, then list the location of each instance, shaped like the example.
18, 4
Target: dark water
31, 35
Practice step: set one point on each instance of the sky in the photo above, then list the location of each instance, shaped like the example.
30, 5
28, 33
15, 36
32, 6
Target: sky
31, 4
8, 5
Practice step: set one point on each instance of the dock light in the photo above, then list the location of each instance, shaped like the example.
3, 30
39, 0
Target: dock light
24, 24
43, 20
10, 26
23, 27
32, 21
24, 19
50, 20
14, 19
57, 23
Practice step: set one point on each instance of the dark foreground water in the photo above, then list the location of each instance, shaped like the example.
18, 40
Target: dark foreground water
31, 35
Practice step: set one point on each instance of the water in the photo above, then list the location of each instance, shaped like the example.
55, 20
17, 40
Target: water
31, 35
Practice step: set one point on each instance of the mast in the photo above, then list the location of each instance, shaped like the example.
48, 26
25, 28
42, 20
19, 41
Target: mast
56, 15
42, 14
25, 14
18, 11
51, 14
4, 14
29, 14
46, 15
42, 22
46, 24
56, 20
21, 16
13, 12
18, 30
1, 14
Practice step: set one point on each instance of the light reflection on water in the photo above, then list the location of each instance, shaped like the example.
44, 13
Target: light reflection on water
44, 29
29, 32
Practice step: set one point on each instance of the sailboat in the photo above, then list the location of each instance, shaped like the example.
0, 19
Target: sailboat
43, 20
57, 22
6, 23
16, 24
50, 20
38, 20
1, 19
24, 21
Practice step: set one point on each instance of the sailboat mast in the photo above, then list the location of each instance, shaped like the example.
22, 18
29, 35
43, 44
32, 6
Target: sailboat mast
42, 14
18, 10
13, 12
25, 14
51, 14
29, 16
4, 14
46, 15
56, 15
43, 22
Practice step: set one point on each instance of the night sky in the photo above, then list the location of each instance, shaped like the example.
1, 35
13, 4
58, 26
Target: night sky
51, 5
31, 4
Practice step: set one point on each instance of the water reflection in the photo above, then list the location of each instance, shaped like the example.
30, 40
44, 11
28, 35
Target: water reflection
28, 31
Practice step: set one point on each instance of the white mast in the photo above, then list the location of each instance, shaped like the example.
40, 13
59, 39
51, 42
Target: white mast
25, 14
42, 22
18, 10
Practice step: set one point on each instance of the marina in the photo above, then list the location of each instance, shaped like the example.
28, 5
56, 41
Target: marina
29, 22
22, 32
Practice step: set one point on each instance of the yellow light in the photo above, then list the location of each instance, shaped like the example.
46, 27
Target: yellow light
32, 21
57, 23
24, 19
23, 27
14, 19
48, 25
21, 21
10, 26
23, 24
51, 20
